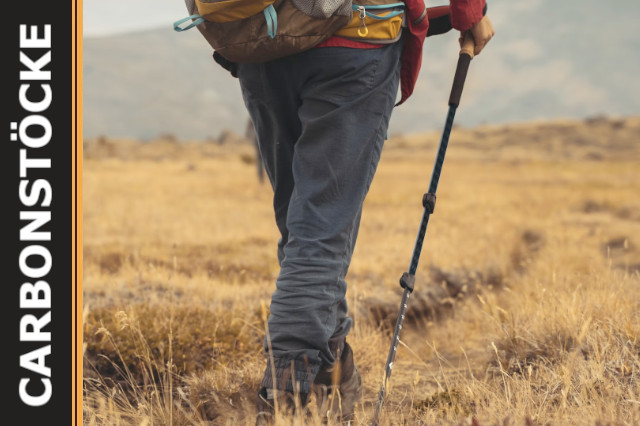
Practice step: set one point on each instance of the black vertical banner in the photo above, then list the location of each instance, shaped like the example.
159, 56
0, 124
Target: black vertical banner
41, 156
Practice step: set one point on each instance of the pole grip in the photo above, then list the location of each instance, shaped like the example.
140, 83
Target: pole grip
466, 54
468, 45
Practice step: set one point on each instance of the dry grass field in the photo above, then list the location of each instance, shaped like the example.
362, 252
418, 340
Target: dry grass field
527, 302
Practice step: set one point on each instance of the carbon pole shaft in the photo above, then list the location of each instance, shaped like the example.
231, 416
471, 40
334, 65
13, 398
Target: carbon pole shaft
407, 280
444, 141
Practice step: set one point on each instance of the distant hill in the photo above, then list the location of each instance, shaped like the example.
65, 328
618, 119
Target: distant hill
548, 60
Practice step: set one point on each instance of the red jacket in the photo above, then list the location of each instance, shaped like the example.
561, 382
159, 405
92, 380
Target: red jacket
460, 14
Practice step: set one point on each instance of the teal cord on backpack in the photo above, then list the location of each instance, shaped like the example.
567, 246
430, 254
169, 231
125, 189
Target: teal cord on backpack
272, 20
197, 20
392, 14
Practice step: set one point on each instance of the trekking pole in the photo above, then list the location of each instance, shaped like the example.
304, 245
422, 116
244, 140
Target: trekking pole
407, 280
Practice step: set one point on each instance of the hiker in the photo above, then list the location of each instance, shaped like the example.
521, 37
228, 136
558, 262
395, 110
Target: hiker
321, 118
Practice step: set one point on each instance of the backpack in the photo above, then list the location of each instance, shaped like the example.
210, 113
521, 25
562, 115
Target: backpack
264, 30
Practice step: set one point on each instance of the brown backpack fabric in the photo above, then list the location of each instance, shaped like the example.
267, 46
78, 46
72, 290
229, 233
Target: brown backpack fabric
248, 39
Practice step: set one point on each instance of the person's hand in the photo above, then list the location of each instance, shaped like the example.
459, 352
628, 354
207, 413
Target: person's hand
482, 32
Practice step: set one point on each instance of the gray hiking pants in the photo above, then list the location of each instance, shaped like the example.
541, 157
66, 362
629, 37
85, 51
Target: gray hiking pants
321, 119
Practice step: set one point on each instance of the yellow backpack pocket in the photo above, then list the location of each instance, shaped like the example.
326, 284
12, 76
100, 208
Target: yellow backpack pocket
381, 23
230, 10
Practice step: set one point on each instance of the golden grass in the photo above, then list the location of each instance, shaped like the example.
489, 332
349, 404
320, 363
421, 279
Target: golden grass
527, 300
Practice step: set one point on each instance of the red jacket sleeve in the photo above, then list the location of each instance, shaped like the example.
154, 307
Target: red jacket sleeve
466, 13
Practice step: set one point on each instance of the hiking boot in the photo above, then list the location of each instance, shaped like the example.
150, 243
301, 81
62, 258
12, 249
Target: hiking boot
344, 377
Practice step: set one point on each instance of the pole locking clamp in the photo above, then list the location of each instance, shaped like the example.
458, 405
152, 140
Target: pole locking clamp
429, 202
407, 281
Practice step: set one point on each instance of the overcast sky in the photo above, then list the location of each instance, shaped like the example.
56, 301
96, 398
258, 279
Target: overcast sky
107, 17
